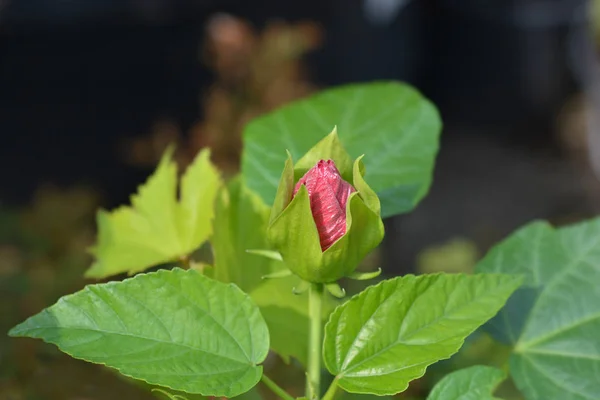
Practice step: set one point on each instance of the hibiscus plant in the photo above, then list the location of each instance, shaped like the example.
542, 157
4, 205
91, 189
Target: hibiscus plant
286, 236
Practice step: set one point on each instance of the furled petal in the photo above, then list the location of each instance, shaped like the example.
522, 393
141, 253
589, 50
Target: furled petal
328, 194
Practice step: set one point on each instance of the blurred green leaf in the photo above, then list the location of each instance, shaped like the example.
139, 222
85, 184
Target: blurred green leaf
158, 227
554, 320
390, 122
240, 224
176, 329
386, 336
286, 315
455, 256
474, 383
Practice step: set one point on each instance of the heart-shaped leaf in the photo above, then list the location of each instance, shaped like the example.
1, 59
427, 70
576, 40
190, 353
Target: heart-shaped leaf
176, 329
554, 320
386, 336
391, 123
473, 383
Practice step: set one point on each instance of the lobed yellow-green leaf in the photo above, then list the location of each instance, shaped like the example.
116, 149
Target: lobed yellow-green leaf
158, 227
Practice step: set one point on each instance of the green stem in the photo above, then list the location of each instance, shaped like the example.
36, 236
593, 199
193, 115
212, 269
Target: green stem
330, 394
315, 308
276, 388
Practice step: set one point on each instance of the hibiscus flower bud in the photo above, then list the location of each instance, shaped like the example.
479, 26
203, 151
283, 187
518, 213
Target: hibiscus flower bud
321, 224
328, 193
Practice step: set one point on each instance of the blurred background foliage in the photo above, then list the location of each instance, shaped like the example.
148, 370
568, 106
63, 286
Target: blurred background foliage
517, 83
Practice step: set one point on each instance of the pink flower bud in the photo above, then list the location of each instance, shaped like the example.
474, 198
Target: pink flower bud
328, 194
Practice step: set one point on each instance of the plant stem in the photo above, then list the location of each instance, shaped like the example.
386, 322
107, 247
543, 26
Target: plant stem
276, 388
330, 394
315, 308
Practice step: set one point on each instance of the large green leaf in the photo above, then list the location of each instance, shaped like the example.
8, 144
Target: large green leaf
473, 383
386, 336
391, 123
554, 320
158, 227
176, 329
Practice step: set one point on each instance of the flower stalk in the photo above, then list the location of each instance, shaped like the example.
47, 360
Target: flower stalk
315, 344
275, 388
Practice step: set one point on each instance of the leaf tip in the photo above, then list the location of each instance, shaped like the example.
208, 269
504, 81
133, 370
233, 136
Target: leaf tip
14, 331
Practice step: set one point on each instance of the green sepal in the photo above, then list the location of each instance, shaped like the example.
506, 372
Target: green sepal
294, 233
364, 276
270, 254
328, 148
335, 290
301, 287
278, 274
364, 232
284, 190
366, 193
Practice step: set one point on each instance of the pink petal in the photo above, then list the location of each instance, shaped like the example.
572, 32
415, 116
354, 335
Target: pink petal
328, 194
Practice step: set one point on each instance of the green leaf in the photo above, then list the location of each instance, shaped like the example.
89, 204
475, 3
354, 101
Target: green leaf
386, 336
240, 224
286, 315
176, 329
554, 320
474, 383
390, 122
158, 227
289, 334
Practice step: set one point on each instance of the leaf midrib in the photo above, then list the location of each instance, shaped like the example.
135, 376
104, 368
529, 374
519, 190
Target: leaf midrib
25, 333
219, 324
552, 379
555, 280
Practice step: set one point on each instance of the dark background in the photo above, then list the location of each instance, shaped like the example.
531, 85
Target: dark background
76, 77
